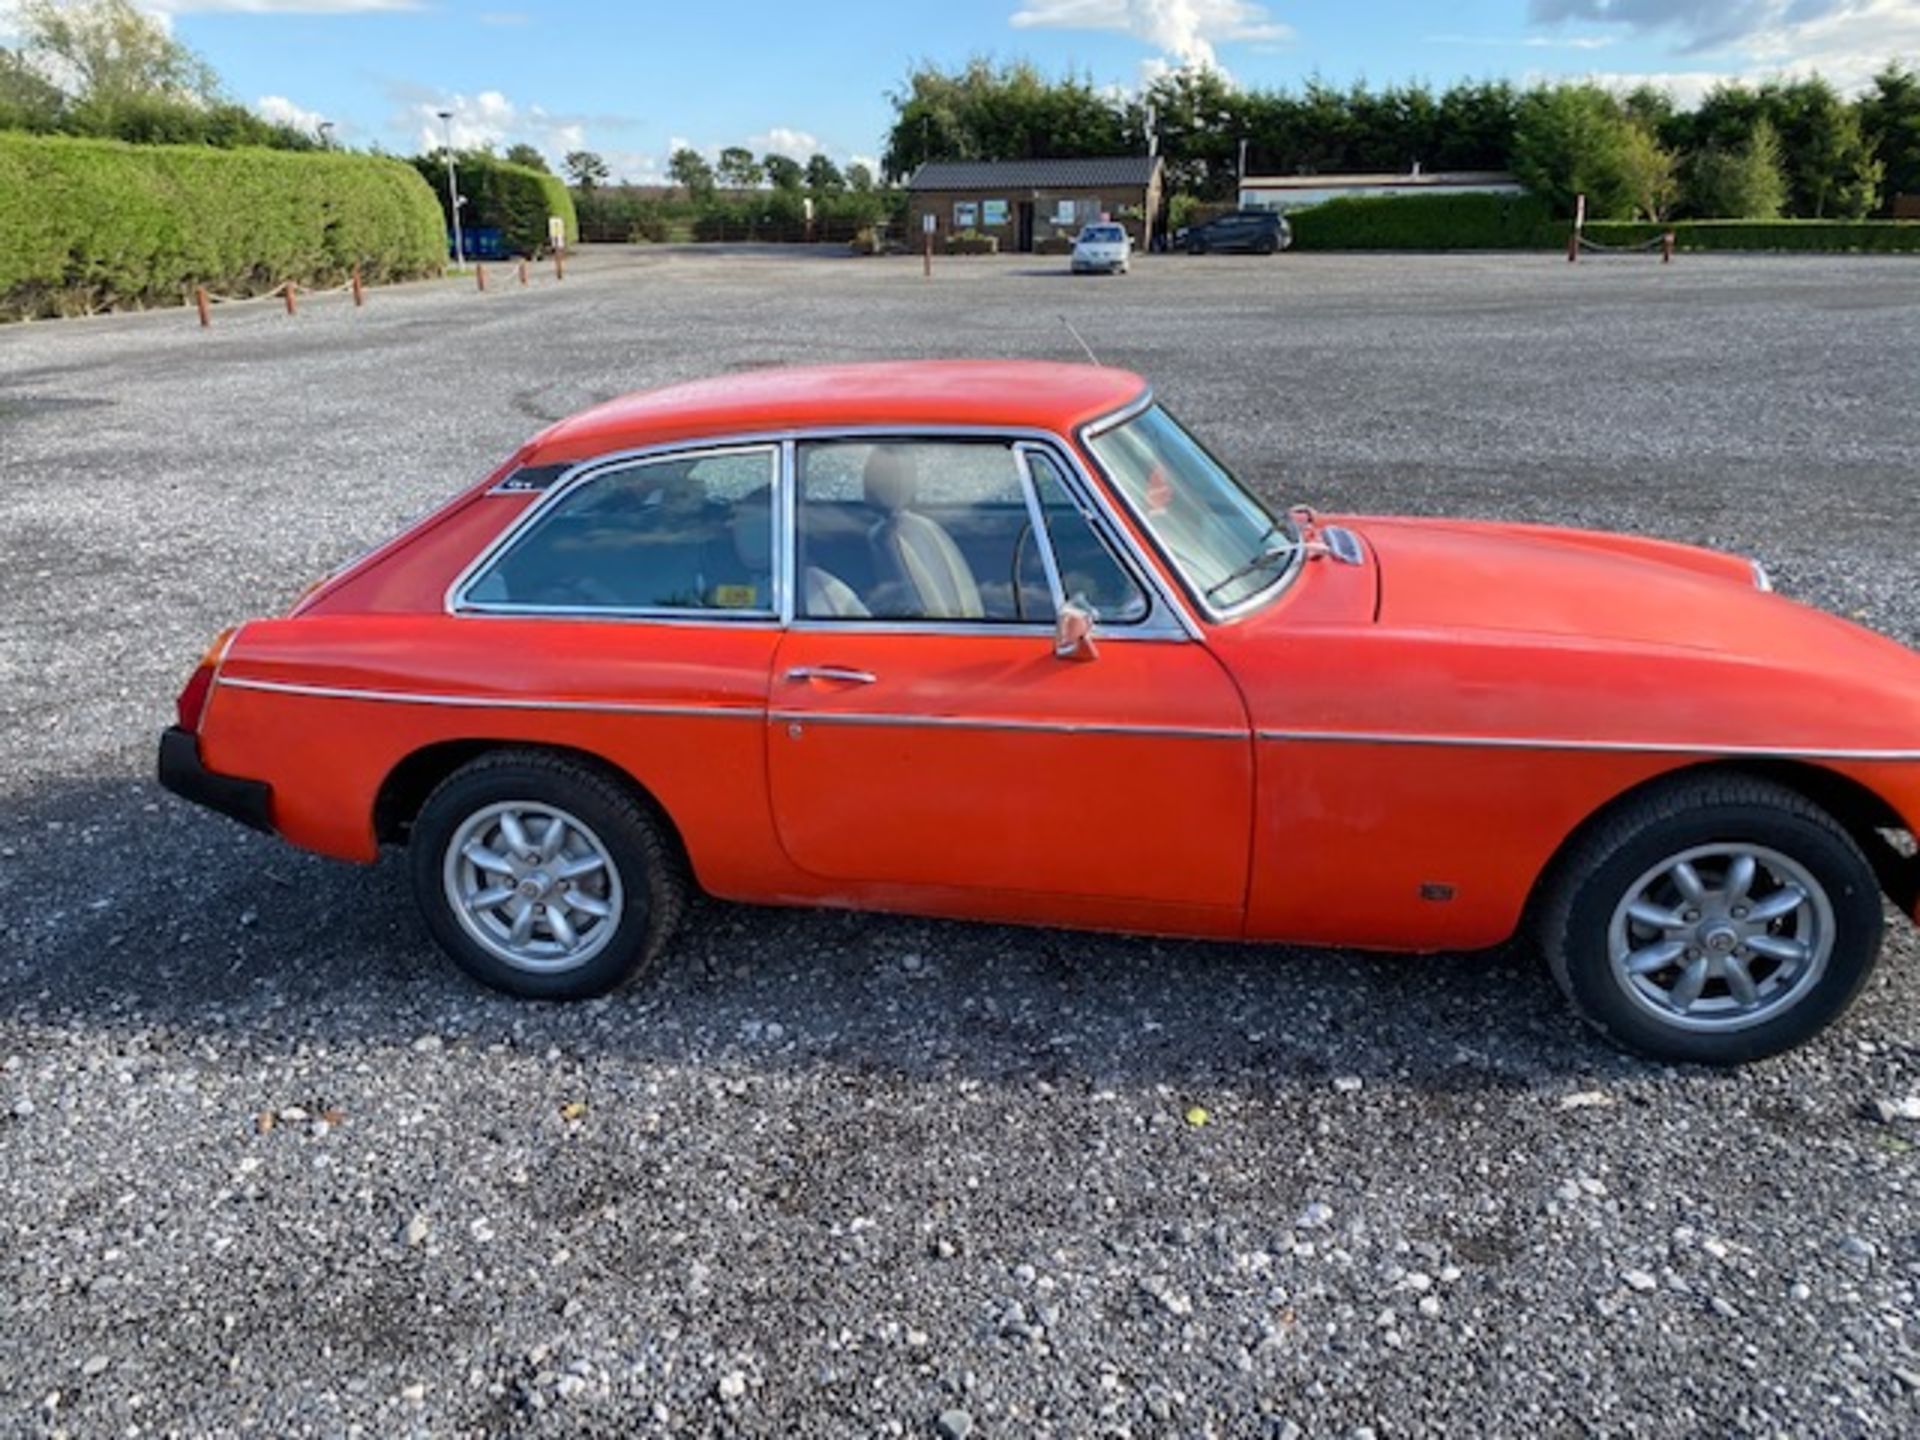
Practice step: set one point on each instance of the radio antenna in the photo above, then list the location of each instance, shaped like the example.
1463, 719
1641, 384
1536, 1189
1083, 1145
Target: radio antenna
1095, 359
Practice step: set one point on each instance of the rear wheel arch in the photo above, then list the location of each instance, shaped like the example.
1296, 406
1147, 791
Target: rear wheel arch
419, 774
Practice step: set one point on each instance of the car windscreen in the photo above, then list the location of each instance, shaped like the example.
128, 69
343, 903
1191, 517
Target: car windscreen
1103, 235
1227, 546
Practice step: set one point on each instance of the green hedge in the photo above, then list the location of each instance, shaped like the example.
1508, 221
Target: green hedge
1882, 236
88, 225
1427, 222
514, 199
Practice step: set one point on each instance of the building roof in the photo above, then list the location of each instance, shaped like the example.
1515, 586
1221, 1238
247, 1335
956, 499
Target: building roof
1438, 178
1025, 395
1103, 170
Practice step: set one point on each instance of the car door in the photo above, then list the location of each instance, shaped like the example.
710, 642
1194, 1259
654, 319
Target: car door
923, 733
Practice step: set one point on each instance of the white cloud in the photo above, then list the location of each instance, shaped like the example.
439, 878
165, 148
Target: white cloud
796, 144
490, 120
1530, 42
282, 111
1844, 40
1185, 30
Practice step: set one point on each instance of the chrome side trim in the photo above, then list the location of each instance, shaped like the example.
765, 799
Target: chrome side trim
966, 722
494, 702
1622, 747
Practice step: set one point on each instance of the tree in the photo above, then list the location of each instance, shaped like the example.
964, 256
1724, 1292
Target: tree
113, 53
585, 169
783, 171
28, 100
1572, 140
690, 168
988, 112
1890, 122
739, 169
527, 155
1743, 183
823, 176
1648, 171
859, 178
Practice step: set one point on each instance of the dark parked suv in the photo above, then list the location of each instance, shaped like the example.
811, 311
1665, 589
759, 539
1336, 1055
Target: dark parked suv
1261, 231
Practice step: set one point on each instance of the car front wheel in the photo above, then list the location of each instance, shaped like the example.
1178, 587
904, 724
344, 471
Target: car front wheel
544, 877
1719, 920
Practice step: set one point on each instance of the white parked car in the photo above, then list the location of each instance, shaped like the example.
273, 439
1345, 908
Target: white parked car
1105, 247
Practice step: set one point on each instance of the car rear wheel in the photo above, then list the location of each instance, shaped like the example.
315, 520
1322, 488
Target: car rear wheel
1720, 920
544, 877
1196, 247
1268, 245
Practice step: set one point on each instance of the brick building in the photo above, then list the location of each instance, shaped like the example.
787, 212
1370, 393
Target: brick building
1024, 203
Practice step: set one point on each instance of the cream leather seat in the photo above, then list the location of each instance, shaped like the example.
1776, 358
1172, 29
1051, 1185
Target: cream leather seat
914, 551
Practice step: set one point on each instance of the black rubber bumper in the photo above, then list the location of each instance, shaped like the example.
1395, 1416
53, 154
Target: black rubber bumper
248, 801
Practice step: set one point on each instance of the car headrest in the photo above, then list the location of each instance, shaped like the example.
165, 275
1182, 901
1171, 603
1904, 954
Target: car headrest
752, 529
890, 479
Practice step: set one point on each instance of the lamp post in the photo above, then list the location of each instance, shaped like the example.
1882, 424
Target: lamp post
325, 127
453, 196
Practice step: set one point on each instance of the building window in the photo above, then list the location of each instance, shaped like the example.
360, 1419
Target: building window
995, 212
966, 214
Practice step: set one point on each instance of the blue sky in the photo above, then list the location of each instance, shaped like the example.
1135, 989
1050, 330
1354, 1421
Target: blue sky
632, 80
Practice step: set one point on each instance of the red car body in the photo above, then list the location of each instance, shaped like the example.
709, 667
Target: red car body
1388, 752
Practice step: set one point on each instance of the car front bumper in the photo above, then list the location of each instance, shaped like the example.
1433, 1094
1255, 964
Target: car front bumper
182, 771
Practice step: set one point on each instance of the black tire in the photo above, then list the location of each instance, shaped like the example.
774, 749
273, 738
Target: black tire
1268, 246
652, 879
1597, 872
1196, 247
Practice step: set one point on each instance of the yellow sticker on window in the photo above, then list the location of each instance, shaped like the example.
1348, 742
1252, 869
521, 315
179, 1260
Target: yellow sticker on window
736, 597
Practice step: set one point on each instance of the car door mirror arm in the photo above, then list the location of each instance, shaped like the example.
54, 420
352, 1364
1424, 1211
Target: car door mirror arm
1073, 633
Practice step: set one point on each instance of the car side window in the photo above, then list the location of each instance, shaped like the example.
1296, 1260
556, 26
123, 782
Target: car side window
1089, 573
683, 532
917, 530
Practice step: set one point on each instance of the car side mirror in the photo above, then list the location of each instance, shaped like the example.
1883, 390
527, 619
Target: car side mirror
1073, 633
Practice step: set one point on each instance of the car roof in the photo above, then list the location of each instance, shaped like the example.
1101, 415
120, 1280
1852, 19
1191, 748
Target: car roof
911, 394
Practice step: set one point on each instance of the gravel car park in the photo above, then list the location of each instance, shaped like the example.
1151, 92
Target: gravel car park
266, 1166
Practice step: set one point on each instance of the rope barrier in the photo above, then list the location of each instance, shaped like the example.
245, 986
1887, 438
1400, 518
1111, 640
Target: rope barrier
1643, 248
285, 292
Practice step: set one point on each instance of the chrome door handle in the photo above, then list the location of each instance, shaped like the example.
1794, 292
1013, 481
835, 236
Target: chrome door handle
832, 672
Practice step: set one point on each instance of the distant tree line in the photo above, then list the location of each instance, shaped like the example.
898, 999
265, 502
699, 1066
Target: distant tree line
1784, 147
737, 193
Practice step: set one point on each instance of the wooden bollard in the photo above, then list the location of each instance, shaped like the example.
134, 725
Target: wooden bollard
559, 265
287, 292
523, 272
1573, 247
1666, 247
480, 276
200, 302
359, 290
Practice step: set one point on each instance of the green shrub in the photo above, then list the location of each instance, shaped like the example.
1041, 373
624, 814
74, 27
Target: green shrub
1873, 236
512, 199
1427, 222
98, 224
972, 242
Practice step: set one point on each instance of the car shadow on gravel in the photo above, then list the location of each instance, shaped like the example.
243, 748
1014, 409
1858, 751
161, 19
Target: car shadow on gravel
152, 914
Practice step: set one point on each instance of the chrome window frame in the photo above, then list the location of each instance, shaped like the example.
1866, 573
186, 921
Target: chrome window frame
578, 477
1167, 617
1219, 615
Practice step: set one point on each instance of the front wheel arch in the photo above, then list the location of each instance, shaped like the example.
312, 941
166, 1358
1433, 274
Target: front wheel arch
1864, 815
419, 774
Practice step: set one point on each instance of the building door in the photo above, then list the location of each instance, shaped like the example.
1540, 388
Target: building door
1024, 244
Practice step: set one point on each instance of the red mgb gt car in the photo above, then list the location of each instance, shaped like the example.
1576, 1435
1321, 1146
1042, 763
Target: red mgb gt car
1004, 642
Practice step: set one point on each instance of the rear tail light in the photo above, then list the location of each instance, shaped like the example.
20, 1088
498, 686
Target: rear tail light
192, 703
